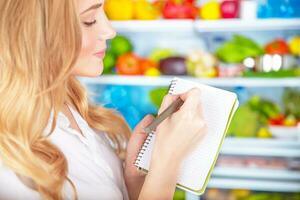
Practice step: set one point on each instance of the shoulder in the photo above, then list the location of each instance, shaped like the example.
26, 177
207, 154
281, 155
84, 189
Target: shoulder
103, 136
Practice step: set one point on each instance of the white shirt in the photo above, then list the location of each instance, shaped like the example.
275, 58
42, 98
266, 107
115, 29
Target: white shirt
94, 168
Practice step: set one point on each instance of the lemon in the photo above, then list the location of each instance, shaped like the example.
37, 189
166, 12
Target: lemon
152, 72
210, 10
264, 133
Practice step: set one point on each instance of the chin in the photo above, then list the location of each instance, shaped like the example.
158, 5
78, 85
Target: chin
94, 71
91, 70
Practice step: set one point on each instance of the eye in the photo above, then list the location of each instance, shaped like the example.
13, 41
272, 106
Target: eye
88, 24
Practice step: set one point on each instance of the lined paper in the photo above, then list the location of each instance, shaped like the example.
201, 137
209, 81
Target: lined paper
218, 107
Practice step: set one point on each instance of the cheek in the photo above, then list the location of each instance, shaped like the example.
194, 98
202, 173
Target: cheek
87, 64
88, 45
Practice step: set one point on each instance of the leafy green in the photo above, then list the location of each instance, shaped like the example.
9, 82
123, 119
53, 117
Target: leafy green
264, 107
291, 101
237, 49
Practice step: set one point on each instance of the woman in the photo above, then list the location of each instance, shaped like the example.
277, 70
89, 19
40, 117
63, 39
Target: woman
54, 143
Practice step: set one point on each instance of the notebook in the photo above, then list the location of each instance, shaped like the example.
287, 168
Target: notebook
218, 107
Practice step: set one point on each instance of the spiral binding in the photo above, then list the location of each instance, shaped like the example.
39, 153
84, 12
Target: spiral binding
148, 139
143, 149
172, 86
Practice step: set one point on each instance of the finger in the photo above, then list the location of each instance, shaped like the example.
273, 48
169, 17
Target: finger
191, 99
143, 124
200, 108
138, 137
168, 99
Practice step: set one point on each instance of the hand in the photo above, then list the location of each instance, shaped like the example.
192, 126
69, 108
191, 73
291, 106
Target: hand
135, 143
178, 134
135, 178
174, 138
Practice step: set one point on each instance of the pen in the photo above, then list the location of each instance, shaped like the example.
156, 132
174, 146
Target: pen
166, 113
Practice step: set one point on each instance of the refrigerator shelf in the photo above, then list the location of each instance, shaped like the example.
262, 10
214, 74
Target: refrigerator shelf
218, 82
261, 151
257, 185
255, 173
261, 147
255, 142
222, 25
249, 184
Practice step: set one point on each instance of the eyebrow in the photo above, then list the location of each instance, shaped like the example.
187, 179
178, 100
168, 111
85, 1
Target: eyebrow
92, 8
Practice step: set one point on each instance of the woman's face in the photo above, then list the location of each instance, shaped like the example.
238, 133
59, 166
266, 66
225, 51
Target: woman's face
96, 29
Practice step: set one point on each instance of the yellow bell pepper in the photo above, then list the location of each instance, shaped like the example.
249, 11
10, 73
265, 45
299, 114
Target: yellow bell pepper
210, 10
119, 9
144, 10
295, 46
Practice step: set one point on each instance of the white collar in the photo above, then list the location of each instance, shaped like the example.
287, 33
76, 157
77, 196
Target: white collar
63, 121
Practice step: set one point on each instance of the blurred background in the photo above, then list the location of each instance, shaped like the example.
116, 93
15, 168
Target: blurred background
250, 47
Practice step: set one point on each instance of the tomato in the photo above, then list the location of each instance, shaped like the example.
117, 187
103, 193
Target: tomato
128, 64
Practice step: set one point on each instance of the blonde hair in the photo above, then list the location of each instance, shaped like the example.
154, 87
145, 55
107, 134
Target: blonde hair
40, 41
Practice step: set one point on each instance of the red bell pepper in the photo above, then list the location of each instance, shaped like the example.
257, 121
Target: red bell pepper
189, 1
278, 120
180, 9
278, 46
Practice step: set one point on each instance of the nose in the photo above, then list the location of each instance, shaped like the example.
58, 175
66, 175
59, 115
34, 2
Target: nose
106, 29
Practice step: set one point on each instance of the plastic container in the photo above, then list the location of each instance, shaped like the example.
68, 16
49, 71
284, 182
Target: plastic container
248, 9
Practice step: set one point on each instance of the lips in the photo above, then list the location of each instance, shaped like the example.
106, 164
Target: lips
100, 53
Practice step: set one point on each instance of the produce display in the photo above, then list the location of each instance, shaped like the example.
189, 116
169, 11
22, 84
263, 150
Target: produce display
193, 9
239, 56
219, 55
254, 118
258, 116
120, 59
166, 9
